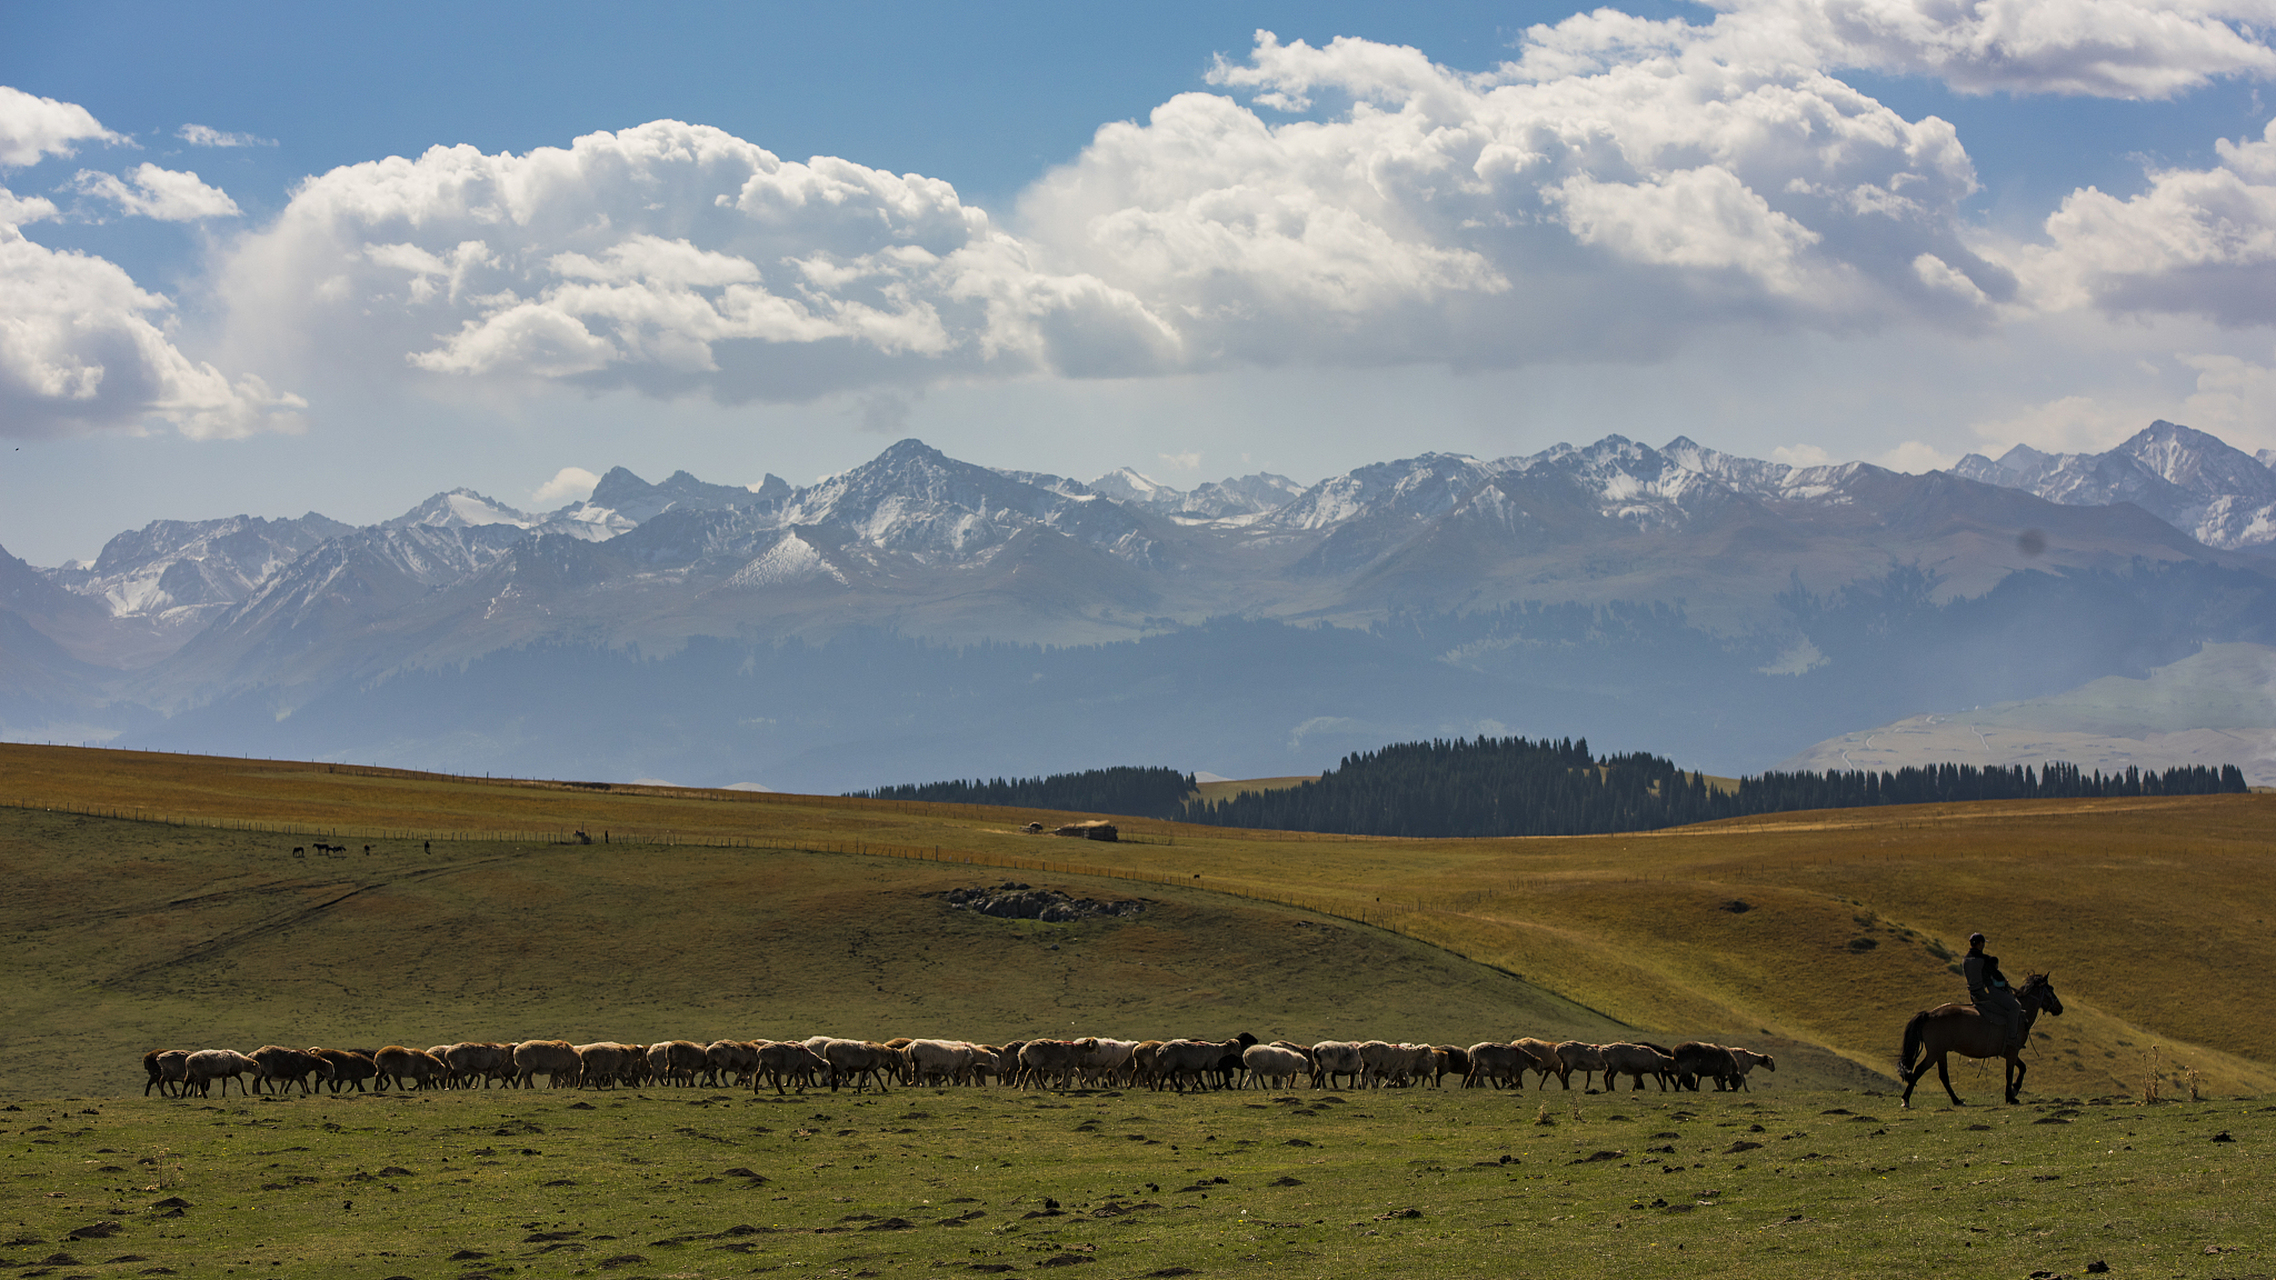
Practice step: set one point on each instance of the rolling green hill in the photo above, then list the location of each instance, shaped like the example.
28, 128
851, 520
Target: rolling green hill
804, 914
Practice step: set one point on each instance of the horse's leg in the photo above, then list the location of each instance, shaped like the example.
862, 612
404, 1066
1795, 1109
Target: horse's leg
2015, 1070
1944, 1074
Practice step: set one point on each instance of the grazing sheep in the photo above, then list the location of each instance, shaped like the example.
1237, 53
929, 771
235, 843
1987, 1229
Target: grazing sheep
676, 1061
1638, 1060
1181, 1059
480, 1060
1450, 1062
1497, 1064
1265, 1062
603, 1063
781, 1061
1541, 1054
286, 1066
1744, 1060
939, 1061
165, 1068
1696, 1060
733, 1060
408, 1068
345, 1067
1573, 1055
859, 1060
1333, 1058
1146, 1064
557, 1060
201, 1069
1060, 1058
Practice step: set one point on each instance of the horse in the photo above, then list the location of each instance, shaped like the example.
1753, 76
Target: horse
1959, 1028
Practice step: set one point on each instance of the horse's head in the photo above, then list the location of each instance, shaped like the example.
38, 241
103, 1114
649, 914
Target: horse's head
2039, 990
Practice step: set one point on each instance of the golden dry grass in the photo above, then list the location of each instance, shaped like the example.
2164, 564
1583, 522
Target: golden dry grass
2151, 914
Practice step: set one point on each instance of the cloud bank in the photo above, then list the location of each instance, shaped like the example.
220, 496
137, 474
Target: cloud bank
1616, 189
82, 347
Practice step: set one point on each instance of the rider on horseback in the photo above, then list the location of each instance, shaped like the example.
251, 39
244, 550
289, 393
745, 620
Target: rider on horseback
1988, 988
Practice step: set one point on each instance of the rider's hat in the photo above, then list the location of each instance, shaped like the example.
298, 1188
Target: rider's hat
1975, 939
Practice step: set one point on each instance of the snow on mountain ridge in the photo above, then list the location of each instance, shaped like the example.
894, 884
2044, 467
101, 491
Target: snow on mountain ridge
2195, 481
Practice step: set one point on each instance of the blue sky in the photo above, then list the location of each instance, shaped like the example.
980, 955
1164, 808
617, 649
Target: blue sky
1795, 228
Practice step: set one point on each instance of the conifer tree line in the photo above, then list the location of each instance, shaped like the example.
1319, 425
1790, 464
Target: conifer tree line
1517, 787
1125, 789
1450, 788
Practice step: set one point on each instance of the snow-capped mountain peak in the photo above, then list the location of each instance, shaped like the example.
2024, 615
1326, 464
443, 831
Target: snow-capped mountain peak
461, 509
2217, 494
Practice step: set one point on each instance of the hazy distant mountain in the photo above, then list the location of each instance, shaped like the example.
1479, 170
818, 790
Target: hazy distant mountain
2217, 706
168, 580
1249, 495
2219, 495
946, 617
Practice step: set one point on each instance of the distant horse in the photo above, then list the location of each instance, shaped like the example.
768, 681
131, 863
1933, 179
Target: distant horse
1959, 1028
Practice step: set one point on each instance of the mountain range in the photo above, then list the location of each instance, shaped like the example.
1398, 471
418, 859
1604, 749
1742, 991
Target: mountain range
918, 616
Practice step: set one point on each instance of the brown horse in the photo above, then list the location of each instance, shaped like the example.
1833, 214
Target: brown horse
1958, 1028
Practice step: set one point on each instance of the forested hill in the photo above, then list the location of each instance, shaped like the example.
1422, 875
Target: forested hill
1517, 787
1138, 792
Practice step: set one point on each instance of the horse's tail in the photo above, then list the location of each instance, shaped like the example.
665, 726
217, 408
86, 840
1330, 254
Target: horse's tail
1914, 1034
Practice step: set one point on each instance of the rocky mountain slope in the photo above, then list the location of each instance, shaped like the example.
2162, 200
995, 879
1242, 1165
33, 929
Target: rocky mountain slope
2221, 496
1611, 587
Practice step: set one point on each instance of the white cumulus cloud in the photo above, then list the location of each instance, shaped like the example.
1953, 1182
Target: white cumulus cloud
2137, 49
569, 484
2198, 241
671, 257
198, 135
167, 195
32, 127
81, 345
1605, 211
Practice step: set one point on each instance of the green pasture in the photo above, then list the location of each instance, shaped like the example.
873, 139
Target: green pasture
1408, 1182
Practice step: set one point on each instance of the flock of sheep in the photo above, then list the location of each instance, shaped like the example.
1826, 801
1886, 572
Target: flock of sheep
1089, 1062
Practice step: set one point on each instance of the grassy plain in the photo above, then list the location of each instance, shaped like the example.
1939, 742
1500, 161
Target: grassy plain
2151, 914
678, 1182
